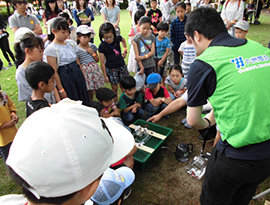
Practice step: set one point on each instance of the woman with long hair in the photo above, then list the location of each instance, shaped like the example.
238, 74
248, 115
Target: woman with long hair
51, 11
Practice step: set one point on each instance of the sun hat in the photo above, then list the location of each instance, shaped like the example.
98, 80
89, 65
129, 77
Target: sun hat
103, 94
152, 80
61, 149
112, 185
84, 29
244, 25
19, 33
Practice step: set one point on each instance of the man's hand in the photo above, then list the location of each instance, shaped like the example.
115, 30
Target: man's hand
154, 118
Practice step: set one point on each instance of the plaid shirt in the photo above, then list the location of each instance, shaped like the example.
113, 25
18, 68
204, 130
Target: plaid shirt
177, 32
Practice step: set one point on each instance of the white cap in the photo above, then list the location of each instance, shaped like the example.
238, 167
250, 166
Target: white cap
19, 33
84, 29
112, 185
244, 25
61, 149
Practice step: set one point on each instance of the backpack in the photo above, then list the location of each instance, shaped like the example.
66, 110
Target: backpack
140, 7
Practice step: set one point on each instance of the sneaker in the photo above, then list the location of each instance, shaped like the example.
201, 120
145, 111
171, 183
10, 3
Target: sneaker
187, 126
128, 192
184, 121
9, 64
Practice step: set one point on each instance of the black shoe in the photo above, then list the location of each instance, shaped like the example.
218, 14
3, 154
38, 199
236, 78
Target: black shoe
208, 139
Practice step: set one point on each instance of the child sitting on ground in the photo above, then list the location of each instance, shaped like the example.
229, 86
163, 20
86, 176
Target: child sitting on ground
106, 96
241, 29
163, 46
175, 82
8, 120
158, 96
40, 76
130, 101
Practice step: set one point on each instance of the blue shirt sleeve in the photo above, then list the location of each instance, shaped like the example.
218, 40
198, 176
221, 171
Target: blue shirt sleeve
78, 21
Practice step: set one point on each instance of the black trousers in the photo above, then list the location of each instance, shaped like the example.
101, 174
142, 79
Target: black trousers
176, 57
232, 181
4, 46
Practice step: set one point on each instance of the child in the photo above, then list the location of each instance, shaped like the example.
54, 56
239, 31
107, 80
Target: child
163, 45
30, 48
88, 58
189, 53
144, 47
155, 15
158, 96
188, 8
72, 29
241, 29
130, 101
120, 179
40, 76
106, 96
51, 11
61, 55
8, 120
175, 82
178, 30
111, 60
132, 64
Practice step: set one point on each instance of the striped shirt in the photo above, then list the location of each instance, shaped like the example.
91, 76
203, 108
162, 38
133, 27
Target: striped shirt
85, 57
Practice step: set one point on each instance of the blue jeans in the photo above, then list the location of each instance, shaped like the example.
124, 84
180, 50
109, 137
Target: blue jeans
129, 117
151, 109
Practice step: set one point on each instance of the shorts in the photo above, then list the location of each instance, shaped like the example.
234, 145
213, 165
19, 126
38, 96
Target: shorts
116, 74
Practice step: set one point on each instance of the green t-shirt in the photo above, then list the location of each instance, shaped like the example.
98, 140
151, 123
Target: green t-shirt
126, 101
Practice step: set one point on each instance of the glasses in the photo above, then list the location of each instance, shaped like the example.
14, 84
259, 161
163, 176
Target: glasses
22, 2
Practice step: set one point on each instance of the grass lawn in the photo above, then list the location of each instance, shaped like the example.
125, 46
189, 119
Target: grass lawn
165, 180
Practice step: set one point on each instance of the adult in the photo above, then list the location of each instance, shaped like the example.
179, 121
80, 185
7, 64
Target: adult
51, 11
168, 11
223, 73
63, 8
81, 6
232, 11
258, 11
111, 13
4, 43
54, 154
135, 6
21, 18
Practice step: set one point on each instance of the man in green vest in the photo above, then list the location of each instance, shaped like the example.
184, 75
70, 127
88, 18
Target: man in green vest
233, 74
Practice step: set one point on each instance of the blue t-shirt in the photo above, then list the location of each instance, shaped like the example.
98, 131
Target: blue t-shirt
161, 46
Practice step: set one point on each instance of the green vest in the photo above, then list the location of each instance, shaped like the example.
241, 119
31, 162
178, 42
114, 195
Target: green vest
241, 101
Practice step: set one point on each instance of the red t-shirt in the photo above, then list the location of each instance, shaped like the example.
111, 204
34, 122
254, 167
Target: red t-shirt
163, 92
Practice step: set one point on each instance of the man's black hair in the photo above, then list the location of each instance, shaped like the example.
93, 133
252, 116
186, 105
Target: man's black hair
163, 26
128, 82
137, 16
31, 197
180, 4
205, 21
37, 72
144, 19
106, 28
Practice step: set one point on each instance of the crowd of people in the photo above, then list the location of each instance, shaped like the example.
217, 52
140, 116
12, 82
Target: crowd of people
198, 59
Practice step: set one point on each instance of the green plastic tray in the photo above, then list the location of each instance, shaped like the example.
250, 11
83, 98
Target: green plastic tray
141, 157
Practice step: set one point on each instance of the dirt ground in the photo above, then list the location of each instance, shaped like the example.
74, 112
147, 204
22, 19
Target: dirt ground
165, 180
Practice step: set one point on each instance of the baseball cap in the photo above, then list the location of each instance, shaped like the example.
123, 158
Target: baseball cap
153, 79
103, 94
244, 25
19, 33
61, 149
112, 185
84, 29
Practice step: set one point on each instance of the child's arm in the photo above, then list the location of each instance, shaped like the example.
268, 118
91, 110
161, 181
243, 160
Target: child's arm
181, 52
13, 111
136, 105
115, 112
136, 51
94, 54
53, 62
171, 89
162, 60
56, 95
103, 67
167, 99
124, 44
